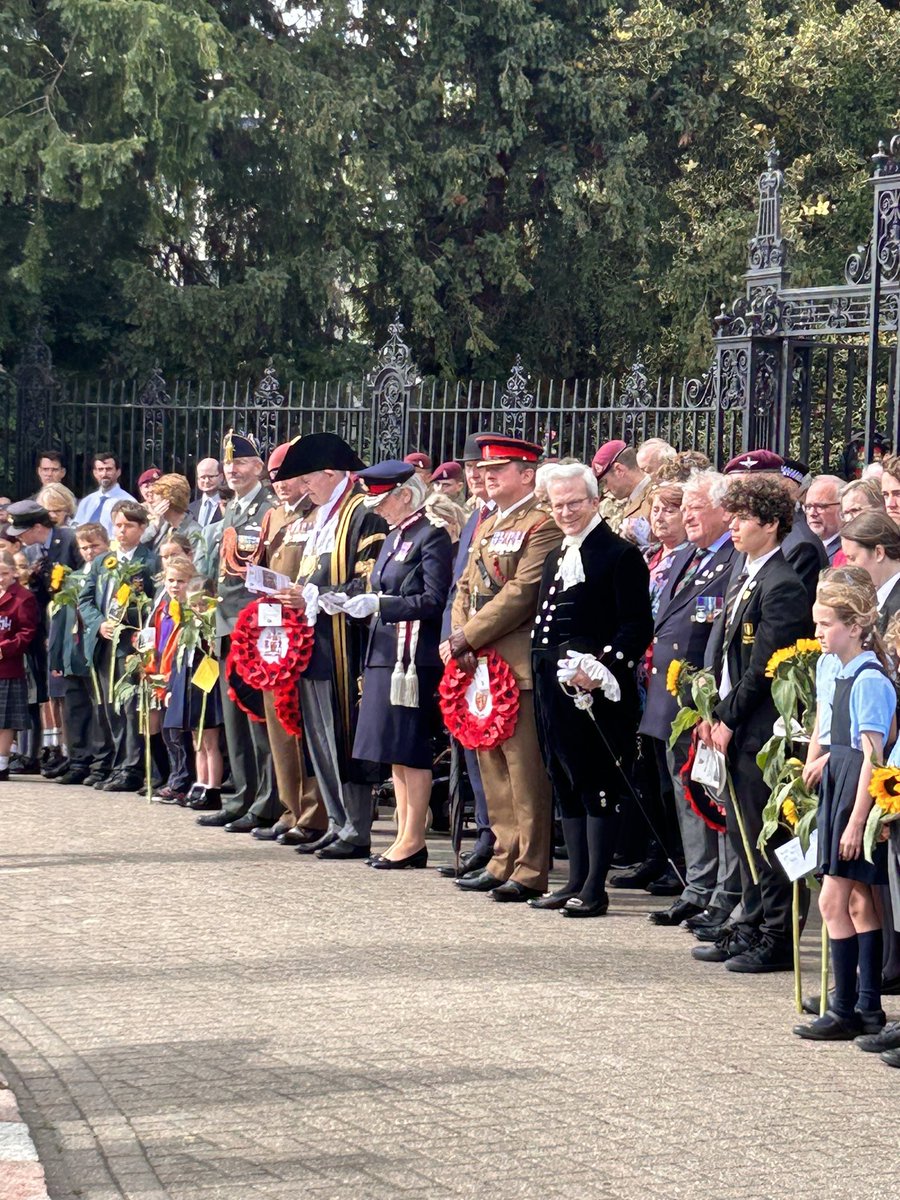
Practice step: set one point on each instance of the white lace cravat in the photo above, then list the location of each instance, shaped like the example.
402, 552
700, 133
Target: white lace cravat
571, 568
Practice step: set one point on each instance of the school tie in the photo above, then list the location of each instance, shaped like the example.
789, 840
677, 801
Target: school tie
733, 593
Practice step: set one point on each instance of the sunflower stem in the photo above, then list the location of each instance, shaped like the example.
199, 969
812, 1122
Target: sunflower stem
739, 817
795, 931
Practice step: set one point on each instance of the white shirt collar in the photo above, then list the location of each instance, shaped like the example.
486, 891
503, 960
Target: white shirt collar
502, 513
886, 588
754, 568
126, 555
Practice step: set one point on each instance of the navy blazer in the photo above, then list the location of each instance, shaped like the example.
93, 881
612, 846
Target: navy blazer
194, 510
97, 595
459, 565
412, 576
677, 635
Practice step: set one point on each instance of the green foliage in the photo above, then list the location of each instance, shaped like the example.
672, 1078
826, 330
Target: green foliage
203, 184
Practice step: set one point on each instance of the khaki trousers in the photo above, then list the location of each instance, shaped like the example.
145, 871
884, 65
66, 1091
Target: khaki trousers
519, 803
298, 792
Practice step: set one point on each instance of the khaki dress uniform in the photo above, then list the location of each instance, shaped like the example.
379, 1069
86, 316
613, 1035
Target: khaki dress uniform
495, 605
282, 542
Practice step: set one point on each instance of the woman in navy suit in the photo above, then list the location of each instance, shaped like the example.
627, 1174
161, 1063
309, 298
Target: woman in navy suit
398, 712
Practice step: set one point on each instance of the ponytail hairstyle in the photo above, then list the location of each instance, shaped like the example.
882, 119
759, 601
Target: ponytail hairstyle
851, 593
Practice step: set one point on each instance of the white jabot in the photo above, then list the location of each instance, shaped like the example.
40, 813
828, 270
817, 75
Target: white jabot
571, 568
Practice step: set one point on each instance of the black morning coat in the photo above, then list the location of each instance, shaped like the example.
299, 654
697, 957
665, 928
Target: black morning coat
609, 616
677, 634
412, 576
773, 612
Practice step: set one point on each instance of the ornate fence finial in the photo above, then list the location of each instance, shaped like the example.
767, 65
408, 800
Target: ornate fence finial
768, 249
154, 399
267, 399
36, 388
391, 382
516, 399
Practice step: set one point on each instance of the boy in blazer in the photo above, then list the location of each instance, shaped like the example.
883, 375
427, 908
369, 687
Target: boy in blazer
766, 609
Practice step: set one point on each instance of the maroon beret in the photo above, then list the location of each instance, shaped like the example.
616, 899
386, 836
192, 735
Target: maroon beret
606, 456
446, 472
149, 476
419, 459
276, 458
754, 460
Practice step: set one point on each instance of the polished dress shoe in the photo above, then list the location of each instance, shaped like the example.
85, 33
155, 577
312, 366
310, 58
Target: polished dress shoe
675, 913
470, 863
208, 800
301, 836
412, 861
245, 824
668, 884
877, 1043
870, 1022
513, 892
72, 776
639, 876
54, 770
830, 1028
121, 783
214, 818
552, 900
481, 881
709, 933
270, 833
338, 850
709, 918
576, 907
23, 766
324, 841
762, 959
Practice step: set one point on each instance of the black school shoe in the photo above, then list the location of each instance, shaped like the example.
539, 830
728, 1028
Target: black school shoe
762, 959
831, 1028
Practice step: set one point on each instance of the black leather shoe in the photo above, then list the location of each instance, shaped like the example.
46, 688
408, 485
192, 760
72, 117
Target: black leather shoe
269, 833
245, 824
830, 1028
73, 776
877, 1043
338, 850
762, 959
314, 847
710, 918
300, 836
483, 881
891, 987
552, 900
675, 913
668, 884
512, 892
209, 800
54, 770
412, 861
23, 766
121, 783
872, 1020
95, 778
891, 1058
730, 942
468, 864
576, 907
214, 818
639, 876
709, 933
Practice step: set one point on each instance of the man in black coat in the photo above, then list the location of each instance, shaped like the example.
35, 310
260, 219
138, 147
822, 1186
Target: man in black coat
694, 592
766, 609
593, 625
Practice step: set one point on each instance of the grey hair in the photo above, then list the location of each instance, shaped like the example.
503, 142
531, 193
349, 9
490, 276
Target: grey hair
832, 480
711, 484
561, 472
417, 490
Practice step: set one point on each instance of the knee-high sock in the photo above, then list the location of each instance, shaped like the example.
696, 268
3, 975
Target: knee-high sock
844, 957
601, 840
579, 861
870, 956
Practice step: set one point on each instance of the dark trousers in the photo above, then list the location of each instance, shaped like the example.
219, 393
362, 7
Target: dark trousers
891, 936
249, 758
88, 735
484, 842
658, 794
128, 745
178, 747
767, 904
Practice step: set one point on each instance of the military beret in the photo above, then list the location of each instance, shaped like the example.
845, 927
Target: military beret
607, 455
419, 458
754, 460
447, 472
149, 476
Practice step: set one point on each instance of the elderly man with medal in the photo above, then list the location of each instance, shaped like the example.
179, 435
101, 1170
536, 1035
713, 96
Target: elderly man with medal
496, 600
398, 715
338, 557
593, 624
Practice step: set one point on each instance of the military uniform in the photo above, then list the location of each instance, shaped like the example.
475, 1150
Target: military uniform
495, 605
284, 536
248, 746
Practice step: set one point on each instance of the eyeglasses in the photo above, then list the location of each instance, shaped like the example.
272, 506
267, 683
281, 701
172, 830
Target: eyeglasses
808, 508
573, 505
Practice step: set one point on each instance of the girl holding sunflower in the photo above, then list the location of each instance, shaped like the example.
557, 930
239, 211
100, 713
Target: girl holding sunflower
855, 717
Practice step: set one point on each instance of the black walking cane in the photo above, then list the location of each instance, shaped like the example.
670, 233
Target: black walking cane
585, 701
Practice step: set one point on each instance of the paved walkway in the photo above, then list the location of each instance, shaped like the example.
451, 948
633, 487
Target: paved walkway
194, 1015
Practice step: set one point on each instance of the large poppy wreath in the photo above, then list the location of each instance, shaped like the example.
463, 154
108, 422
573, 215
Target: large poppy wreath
480, 710
267, 657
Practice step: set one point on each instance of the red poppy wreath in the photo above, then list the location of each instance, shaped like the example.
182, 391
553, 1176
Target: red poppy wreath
480, 710
266, 657
287, 708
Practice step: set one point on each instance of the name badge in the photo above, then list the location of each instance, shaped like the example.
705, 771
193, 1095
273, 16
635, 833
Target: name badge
403, 552
507, 541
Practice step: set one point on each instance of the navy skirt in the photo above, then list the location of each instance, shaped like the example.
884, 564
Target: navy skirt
837, 795
391, 734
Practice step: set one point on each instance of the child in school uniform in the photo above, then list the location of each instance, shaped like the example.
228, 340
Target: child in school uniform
855, 721
167, 620
184, 704
19, 622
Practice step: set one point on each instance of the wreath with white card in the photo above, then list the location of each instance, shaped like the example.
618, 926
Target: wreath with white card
480, 710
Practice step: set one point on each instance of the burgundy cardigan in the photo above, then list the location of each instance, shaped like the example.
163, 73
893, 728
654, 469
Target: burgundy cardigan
19, 621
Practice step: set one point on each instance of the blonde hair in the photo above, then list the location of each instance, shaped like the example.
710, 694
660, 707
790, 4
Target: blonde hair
892, 634
175, 489
182, 568
850, 592
59, 492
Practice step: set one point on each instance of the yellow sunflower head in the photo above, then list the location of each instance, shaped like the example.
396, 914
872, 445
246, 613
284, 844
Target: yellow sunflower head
110, 562
808, 646
672, 676
789, 812
779, 657
175, 611
57, 575
884, 788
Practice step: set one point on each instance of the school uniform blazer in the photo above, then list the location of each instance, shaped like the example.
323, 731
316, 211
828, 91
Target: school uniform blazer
677, 635
890, 606
412, 577
98, 593
66, 643
503, 577
773, 611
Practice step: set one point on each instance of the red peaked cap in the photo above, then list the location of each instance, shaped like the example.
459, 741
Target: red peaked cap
497, 450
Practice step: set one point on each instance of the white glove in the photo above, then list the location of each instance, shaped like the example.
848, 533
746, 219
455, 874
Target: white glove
331, 602
311, 600
574, 662
362, 606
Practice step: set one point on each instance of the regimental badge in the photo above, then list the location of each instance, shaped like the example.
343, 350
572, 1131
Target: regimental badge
748, 634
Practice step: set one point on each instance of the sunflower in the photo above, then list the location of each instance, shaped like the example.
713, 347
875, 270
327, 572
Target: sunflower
884, 788
175, 611
779, 657
808, 646
789, 812
123, 594
110, 562
57, 575
673, 675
